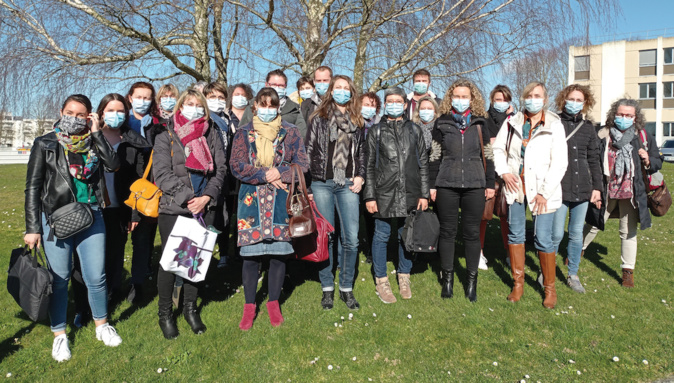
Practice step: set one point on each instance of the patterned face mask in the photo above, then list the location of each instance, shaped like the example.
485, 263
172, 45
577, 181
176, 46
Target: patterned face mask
72, 125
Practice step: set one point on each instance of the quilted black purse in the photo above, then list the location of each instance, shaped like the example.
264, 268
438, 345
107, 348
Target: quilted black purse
69, 220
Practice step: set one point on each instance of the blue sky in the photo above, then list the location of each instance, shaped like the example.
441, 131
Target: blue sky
641, 16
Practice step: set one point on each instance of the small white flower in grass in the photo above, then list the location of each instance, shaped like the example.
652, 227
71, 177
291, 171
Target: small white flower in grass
602, 279
369, 379
523, 381
526, 376
354, 358
578, 372
336, 324
664, 301
316, 358
495, 363
312, 362
393, 272
570, 307
572, 361
366, 324
616, 359
330, 367
362, 279
449, 373
342, 318
350, 315
159, 371
374, 315
556, 313
612, 316
9, 375
237, 290
595, 290
340, 325
644, 362
491, 309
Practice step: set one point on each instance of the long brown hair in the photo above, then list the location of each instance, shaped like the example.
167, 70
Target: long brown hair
328, 104
476, 100
113, 97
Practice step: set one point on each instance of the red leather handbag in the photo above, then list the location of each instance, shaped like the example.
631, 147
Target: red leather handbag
314, 247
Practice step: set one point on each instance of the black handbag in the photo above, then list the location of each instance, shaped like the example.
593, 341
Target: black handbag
69, 220
421, 232
29, 282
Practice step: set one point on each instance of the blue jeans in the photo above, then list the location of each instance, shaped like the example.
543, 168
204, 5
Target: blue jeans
577, 211
517, 220
382, 233
328, 196
90, 246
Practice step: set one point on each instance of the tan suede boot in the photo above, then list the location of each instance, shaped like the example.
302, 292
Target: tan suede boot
516, 253
404, 286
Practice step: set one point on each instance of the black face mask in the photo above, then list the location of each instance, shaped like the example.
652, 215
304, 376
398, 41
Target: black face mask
72, 125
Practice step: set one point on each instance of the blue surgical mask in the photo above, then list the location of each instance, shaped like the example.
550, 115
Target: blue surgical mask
573, 107
239, 101
394, 109
426, 115
321, 88
192, 112
141, 106
267, 114
280, 91
368, 112
460, 105
341, 96
534, 105
306, 94
114, 119
420, 87
623, 123
168, 103
501, 107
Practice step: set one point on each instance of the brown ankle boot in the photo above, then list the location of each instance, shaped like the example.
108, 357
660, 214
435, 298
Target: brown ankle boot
628, 278
516, 253
548, 267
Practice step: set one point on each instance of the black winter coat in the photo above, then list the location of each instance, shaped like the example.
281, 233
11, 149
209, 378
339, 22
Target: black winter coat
497, 118
397, 167
583, 175
173, 178
459, 164
133, 153
50, 186
318, 139
595, 217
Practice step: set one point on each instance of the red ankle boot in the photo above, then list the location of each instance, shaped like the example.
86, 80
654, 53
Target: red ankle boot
248, 316
275, 316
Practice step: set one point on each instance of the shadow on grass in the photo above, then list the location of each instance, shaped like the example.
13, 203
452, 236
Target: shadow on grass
10, 345
592, 254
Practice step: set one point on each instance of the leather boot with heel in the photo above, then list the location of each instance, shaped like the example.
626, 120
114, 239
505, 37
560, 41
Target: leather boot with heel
548, 268
192, 317
447, 283
471, 286
167, 322
516, 253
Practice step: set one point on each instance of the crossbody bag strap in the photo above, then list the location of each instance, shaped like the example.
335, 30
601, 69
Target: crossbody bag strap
484, 161
575, 130
149, 166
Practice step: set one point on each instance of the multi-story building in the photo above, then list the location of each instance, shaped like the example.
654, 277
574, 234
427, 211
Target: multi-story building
642, 69
17, 132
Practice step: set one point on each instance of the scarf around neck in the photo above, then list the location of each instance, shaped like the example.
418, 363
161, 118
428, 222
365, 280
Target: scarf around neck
463, 119
267, 132
341, 132
621, 141
198, 156
82, 159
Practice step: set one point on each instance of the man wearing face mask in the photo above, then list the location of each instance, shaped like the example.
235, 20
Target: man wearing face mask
290, 111
421, 82
322, 78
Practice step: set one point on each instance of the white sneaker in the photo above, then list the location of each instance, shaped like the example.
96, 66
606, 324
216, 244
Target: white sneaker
108, 335
60, 350
483, 262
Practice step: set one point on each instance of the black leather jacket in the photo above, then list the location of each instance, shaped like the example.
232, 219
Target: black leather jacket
49, 185
318, 138
397, 167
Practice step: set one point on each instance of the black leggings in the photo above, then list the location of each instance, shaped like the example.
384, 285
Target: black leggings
471, 202
250, 275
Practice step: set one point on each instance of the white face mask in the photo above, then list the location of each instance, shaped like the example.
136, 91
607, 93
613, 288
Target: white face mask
215, 105
192, 112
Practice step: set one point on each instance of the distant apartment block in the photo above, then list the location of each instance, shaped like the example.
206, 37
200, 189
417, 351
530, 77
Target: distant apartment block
17, 132
643, 70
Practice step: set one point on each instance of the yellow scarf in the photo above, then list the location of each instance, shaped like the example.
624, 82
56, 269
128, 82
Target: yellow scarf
266, 134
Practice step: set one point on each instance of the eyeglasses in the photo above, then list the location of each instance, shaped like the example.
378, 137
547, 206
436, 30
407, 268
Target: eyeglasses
625, 115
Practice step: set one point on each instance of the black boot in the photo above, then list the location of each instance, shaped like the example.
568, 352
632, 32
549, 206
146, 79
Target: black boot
471, 286
167, 323
447, 282
349, 299
192, 317
328, 300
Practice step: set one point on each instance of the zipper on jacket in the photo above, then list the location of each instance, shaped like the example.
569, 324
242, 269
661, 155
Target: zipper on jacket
462, 164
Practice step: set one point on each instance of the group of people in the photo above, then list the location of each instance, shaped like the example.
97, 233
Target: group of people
218, 152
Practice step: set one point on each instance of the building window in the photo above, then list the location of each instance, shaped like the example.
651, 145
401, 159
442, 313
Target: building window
650, 128
581, 67
668, 89
647, 60
668, 129
669, 56
647, 91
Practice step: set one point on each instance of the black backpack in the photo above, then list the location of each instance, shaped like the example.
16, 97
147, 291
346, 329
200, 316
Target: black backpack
421, 232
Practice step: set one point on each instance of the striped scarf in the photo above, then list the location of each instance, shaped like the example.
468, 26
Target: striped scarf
341, 131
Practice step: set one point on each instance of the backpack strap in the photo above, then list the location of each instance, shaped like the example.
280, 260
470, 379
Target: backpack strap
479, 134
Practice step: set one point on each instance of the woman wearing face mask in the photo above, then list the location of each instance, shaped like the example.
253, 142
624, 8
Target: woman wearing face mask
261, 156
167, 95
68, 166
305, 88
337, 162
241, 94
425, 116
581, 184
532, 170
189, 167
144, 110
459, 179
624, 191
371, 106
500, 108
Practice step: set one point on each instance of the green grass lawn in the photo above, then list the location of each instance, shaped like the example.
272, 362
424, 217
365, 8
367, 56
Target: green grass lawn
444, 340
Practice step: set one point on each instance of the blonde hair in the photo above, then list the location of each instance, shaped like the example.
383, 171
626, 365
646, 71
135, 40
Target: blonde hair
165, 89
415, 116
476, 99
560, 100
530, 88
196, 94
